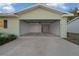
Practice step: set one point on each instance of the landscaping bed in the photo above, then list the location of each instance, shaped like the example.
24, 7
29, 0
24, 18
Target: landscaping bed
73, 37
5, 38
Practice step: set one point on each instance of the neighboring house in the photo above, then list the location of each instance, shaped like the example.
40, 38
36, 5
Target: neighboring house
36, 18
73, 25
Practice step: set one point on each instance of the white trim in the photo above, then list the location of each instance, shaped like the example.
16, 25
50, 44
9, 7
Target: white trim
7, 14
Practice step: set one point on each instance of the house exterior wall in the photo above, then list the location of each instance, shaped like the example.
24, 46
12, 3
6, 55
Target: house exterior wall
13, 26
40, 14
55, 28
73, 26
63, 27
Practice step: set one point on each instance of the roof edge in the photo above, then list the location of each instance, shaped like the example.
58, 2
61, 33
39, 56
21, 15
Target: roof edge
44, 5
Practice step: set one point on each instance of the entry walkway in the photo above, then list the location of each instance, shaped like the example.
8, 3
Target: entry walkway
39, 46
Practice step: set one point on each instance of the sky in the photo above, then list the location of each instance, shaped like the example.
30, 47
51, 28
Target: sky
12, 7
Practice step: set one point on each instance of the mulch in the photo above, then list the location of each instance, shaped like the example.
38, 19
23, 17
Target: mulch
73, 37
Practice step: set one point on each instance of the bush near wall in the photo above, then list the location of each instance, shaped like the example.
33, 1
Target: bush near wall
5, 38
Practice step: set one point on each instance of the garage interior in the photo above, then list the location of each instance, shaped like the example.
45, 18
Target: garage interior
39, 27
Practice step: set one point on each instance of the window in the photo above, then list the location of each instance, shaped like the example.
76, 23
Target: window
5, 23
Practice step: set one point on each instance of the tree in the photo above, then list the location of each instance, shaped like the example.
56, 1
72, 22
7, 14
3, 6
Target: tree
75, 11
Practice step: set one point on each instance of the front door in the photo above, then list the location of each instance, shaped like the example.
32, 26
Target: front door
45, 28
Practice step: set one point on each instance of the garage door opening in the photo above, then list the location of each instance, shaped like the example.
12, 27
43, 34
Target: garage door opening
39, 27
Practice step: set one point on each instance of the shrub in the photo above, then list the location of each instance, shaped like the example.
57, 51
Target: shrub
4, 38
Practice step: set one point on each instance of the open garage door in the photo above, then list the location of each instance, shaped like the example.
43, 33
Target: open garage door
42, 27
26, 28
45, 27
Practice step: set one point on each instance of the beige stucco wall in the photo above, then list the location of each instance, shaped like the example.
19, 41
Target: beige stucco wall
40, 14
13, 26
55, 28
63, 27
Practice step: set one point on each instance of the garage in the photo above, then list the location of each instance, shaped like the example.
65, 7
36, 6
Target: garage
40, 27
43, 19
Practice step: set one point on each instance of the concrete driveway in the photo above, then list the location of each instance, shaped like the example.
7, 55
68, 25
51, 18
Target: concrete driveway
39, 46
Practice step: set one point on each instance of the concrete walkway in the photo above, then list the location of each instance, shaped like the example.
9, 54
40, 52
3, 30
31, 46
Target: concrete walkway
39, 46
